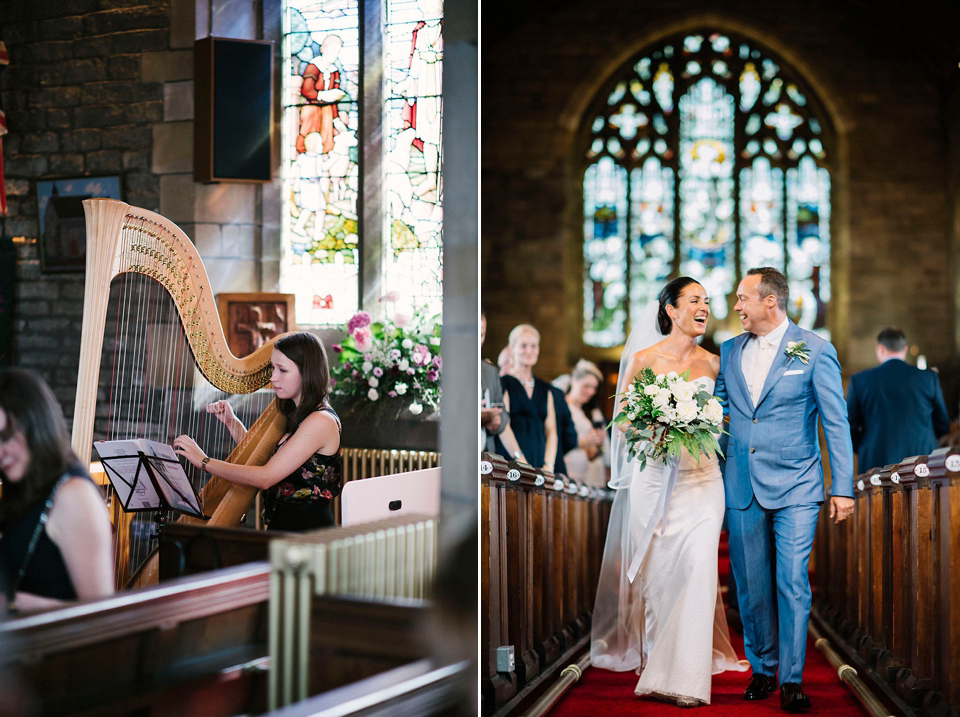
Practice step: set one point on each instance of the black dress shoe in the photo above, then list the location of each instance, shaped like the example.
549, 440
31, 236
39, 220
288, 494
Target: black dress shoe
760, 687
792, 698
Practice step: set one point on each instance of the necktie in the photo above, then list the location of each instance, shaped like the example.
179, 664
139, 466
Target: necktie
761, 365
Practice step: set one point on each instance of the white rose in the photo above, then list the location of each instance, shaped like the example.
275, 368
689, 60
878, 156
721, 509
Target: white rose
367, 367
672, 376
687, 411
669, 416
401, 389
650, 389
403, 365
416, 409
373, 381
407, 343
713, 412
684, 391
372, 394
662, 399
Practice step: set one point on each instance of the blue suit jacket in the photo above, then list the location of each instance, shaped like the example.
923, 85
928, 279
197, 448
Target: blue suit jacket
895, 411
773, 451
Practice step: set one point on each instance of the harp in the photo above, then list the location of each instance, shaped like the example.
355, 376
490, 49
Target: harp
164, 357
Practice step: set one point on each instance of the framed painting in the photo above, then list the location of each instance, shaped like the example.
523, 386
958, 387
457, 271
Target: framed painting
251, 319
63, 232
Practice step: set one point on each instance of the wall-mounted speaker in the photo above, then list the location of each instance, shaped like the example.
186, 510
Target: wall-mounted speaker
233, 110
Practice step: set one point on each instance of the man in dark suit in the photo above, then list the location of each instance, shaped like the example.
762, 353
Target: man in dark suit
895, 410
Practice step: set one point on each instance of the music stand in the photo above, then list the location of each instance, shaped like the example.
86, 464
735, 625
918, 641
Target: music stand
150, 482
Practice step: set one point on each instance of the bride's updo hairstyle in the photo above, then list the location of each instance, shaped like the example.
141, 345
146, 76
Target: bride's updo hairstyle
669, 296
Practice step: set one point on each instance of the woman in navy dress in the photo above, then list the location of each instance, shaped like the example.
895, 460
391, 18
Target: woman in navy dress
304, 473
55, 540
531, 435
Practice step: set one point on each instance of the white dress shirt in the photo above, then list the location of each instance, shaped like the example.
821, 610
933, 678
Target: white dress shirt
758, 356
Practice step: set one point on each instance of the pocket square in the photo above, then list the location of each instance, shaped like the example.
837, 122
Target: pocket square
792, 373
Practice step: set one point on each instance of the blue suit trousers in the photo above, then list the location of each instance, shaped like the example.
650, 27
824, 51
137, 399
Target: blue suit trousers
774, 630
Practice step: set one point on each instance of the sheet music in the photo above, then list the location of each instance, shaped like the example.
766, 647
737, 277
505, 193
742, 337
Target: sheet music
122, 465
122, 472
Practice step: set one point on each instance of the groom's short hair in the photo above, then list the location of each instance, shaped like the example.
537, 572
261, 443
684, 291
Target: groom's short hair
772, 282
892, 339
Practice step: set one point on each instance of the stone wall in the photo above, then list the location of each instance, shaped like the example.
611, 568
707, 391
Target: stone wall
98, 88
876, 74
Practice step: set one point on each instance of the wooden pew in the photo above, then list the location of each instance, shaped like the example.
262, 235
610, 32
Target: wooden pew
541, 541
150, 650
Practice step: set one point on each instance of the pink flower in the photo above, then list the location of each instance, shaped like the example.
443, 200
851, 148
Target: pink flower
337, 348
432, 374
333, 382
401, 320
390, 296
392, 394
437, 362
363, 338
421, 355
377, 371
358, 321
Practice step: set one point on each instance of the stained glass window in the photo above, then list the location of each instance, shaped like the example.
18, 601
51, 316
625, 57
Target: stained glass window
412, 263
321, 243
706, 158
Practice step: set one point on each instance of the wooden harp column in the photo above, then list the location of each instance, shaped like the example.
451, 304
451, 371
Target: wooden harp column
124, 239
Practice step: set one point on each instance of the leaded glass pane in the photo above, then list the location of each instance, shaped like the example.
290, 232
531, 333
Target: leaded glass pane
319, 251
651, 232
604, 250
413, 257
808, 192
706, 188
761, 216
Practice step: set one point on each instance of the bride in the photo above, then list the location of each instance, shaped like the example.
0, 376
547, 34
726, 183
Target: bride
660, 623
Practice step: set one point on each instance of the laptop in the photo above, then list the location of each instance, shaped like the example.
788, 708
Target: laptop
370, 499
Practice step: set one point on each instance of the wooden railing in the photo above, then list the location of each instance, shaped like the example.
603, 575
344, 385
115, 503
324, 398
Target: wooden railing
541, 543
887, 583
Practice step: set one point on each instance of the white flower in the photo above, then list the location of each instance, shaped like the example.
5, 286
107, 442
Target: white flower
687, 411
401, 388
373, 381
669, 416
372, 394
672, 376
416, 409
684, 391
662, 399
713, 412
407, 343
366, 367
403, 365
651, 389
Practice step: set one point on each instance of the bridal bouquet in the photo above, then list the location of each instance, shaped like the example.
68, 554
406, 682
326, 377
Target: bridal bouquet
665, 414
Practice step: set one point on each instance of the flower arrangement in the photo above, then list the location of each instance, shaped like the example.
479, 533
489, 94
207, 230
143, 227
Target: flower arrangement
392, 364
798, 350
665, 414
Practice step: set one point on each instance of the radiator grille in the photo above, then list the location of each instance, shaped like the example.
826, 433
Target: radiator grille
394, 558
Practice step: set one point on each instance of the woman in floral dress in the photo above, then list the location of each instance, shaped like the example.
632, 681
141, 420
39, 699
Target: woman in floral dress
304, 474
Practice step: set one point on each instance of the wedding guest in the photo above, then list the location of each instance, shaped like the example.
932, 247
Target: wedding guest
304, 473
505, 361
56, 545
895, 409
585, 462
493, 419
531, 436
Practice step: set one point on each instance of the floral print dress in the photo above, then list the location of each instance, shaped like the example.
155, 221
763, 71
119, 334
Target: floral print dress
301, 501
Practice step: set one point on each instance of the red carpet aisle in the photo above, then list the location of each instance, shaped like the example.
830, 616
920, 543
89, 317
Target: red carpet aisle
601, 692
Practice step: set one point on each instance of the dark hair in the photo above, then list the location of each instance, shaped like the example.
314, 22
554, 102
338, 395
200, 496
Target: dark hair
772, 282
308, 353
31, 407
892, 339
669, 296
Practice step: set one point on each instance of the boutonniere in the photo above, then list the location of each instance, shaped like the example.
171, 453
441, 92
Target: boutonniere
798, 350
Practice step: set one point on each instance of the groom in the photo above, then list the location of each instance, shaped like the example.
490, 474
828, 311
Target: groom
776, 379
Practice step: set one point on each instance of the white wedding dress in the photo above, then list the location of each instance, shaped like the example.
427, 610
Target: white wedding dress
668, 624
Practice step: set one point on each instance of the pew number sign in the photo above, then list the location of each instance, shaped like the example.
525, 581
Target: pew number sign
953, 463
921, 470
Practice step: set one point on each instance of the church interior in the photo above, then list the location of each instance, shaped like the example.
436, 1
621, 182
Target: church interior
627, 143
188, 185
